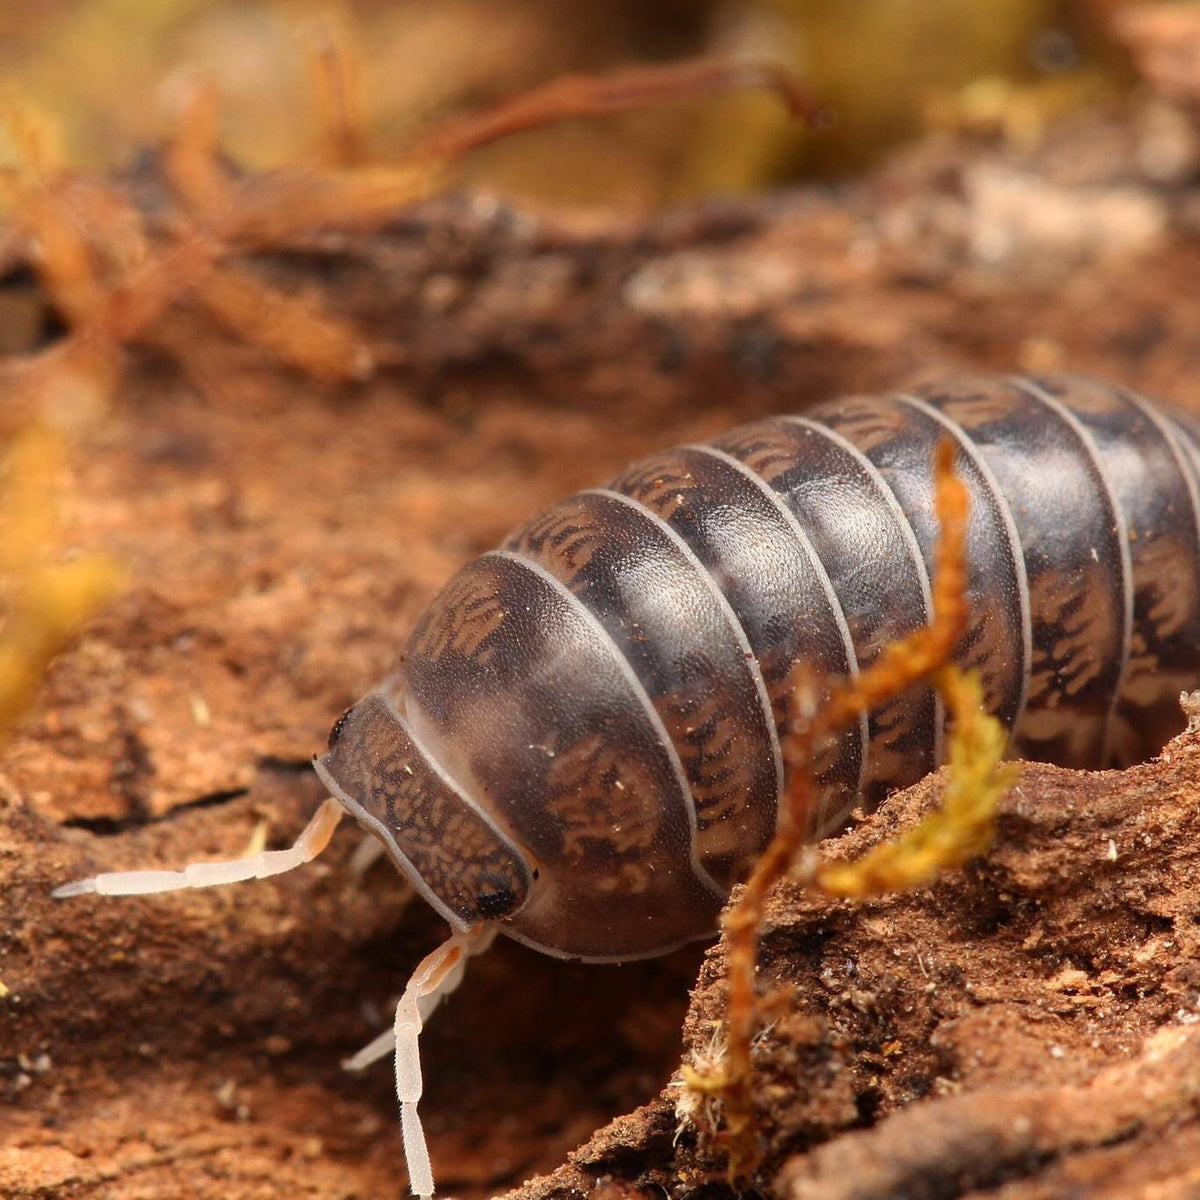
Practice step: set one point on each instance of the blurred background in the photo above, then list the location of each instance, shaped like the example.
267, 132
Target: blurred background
107, 71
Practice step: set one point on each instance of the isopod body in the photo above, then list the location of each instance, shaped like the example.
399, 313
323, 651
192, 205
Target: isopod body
581, 741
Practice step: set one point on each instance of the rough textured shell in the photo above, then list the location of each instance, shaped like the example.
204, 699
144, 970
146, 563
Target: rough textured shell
582, 736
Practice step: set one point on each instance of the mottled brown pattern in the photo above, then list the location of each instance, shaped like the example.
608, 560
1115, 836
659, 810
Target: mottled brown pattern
989, 649
593, 789
703, 690
708, 745
1167, 605
1137, 446
1066, 714
868, 421
900, 740
765, 447
899, 436
1073, 564
463, 620
564, 533
974, 404
607, 685
668, 486
551, 738
662, 483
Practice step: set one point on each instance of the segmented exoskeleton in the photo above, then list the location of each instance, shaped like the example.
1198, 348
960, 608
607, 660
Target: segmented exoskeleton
580, 746
598, 702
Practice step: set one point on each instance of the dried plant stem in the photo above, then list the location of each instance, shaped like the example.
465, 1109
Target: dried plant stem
115, 274
573, 96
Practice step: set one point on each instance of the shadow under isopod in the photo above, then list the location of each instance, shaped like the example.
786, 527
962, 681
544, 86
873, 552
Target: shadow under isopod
530, 1056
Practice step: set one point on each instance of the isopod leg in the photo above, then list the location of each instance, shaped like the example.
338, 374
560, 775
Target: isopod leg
368, 852
476, 941
377, 1048
436, 976
314, 838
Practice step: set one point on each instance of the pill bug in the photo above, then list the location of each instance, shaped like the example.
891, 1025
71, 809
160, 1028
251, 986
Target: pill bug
580, 746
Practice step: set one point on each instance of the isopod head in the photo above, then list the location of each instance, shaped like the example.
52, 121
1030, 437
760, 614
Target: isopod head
457, 859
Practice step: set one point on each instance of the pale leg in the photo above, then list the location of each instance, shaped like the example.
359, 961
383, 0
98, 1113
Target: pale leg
314, 838
435, 977
367, 853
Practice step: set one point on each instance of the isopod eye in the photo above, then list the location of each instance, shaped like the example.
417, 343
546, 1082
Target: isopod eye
339, 727
495, 898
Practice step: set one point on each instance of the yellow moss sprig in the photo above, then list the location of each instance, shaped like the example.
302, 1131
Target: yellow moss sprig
44, 598
962, 826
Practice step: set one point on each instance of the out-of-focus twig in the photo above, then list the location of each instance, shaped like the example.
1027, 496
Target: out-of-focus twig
1164, 40
45, 595
114, 272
